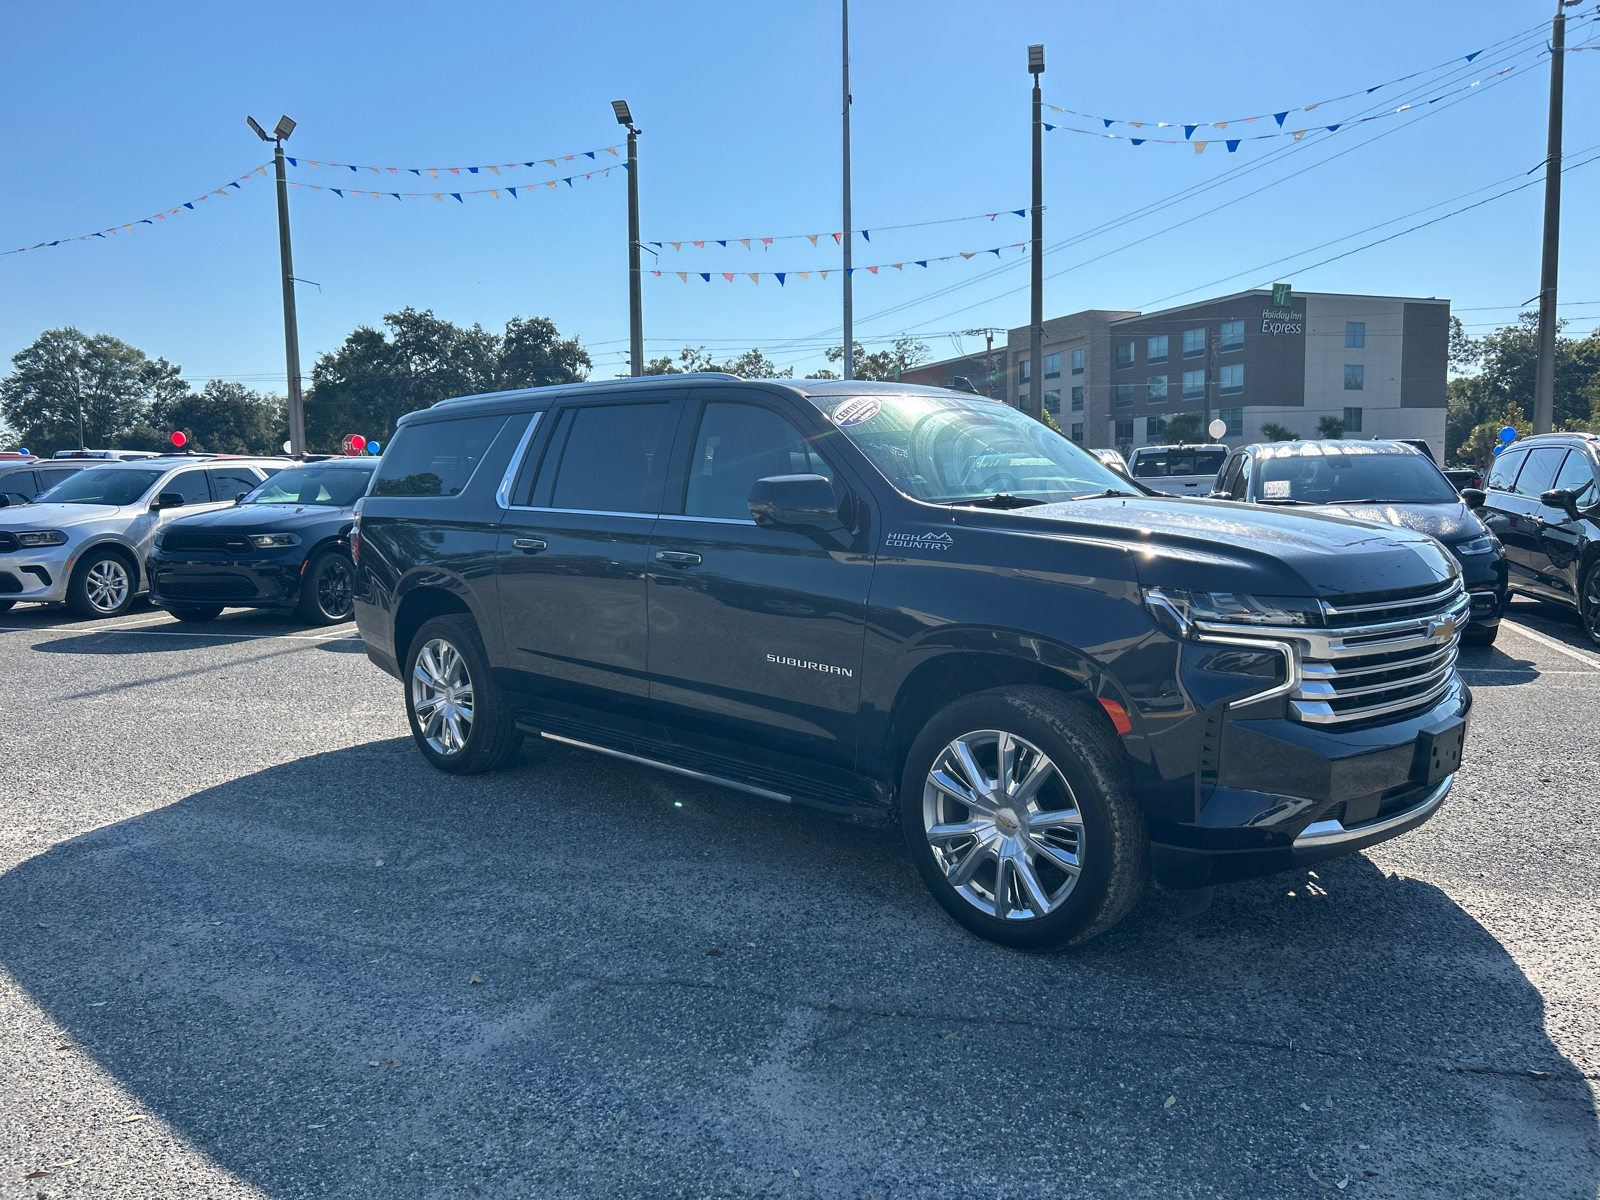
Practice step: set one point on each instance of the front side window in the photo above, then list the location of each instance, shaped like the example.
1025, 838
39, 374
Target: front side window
1052, 366
1124, 394
1194, 342
1077, 399
1194, 385
605, 458
1352, 420
102, 485
314, 484
1232, 335
235, 481
1355, 377
1355, 335
1504, 472
1231, 379
1077, 362
1156, 389
191, 485
1155, 349
946, 450
1124, 354
1539, 471
737, 445
1349, 473
435, 458
1575, 475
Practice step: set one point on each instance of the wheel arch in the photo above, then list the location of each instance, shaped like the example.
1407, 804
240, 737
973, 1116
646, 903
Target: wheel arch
421, 603
110, 543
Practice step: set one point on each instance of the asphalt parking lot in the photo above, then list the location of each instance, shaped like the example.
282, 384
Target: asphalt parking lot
251, 946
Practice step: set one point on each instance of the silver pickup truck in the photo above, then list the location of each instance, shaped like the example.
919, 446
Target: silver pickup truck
1178, 470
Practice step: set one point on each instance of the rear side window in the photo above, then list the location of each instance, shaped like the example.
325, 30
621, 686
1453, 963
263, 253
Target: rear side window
436, 458
607, 459
191, 485
1504, 472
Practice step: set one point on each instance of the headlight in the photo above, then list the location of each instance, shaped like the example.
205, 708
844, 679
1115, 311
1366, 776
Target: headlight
274, 541
1177, 610
1477, 545
42, 537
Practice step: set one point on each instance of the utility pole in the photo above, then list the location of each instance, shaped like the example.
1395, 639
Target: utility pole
291, 323
1036, 314
1544, 390
635, 294
988, 355
1213, 349
848, 363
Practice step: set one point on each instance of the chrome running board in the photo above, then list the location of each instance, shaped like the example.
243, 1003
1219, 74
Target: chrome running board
663, 766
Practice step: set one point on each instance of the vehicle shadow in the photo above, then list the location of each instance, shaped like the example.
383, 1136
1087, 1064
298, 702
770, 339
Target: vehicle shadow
351, 975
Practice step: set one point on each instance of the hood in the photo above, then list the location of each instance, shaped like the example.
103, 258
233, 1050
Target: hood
1222, 546
53, 516
1450, 523
266, 518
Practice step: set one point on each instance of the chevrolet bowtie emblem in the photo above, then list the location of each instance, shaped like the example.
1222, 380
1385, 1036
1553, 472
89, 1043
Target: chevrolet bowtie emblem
1442, 630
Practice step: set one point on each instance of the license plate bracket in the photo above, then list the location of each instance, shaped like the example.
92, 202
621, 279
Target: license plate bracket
1438, 752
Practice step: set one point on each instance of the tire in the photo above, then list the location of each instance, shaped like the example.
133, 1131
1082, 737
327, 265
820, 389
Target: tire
1480, 637
6, 605
1589, 602
445, 664
103, 584
327, 589
196, 612
1084, 765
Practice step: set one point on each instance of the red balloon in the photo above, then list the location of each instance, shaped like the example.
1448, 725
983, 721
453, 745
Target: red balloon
179, 438
354, 443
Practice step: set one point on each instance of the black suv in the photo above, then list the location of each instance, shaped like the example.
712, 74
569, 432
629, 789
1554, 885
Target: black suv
1543, 503
903, 602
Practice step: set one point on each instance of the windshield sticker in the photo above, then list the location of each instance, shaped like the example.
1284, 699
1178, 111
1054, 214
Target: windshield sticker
1278, 489
856, 410
920, 541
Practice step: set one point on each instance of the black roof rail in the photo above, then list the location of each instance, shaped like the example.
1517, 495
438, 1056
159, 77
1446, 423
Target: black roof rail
596, 384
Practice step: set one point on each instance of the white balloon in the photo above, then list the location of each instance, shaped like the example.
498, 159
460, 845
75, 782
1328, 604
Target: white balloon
288, 447
1217, 428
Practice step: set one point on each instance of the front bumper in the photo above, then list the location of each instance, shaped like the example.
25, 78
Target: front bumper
266, 581
1485, 577
37, 576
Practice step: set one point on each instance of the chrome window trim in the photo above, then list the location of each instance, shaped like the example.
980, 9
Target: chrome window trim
712, 520
502, 494
581, 512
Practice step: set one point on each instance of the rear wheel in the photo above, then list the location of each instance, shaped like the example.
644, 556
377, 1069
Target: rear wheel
196, 612
1589, 602
102, 584
328, 589
460, 719
1018, 807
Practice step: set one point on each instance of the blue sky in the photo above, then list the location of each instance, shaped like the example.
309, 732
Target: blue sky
115, 113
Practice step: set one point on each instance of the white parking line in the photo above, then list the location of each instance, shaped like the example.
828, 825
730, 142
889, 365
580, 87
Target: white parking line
1551, 643
173, 632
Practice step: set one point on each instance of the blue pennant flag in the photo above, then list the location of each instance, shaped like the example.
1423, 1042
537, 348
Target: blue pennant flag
778, 275
1370, 90
706, 275
527, 164
1137, 141
457, 195
417, 171
1188, 130
396, 195
352, 168
569, 181
995, 252
1050, 128
627, 166
474, 170
1107, 120
653, 243
337, 193
1280, 116
147, 221
590, 153
235, 185
188, 205
1233, 144
867, 233
1333, 129
290, 161
722, 243
1021, 212
922, 262
513, 192
96, 235
848, 270
1474, 55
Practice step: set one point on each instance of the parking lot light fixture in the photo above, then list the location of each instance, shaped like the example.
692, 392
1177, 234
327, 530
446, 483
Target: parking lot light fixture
635, 296
291, 325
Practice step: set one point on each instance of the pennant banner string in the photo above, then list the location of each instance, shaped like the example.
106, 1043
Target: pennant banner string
784, 276
433, 172
516, 191
128, 226
814, 238
1281, 115
1233, 143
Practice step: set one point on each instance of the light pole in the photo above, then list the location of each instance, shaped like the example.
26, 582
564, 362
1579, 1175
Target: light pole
848, 362
1036, 314
1544, 387
635, 297
291, 325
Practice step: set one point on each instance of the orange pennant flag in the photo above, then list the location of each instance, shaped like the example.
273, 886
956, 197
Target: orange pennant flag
437, 196
746, 242
551, 161
551, 184
1219, 124
805, 275
496, 170
824, 274
434, 171
755, 276
496, 195
898, 266
683, 275
612, 150
813, 238
1200, 147
676, 245
1298, 134
965, 254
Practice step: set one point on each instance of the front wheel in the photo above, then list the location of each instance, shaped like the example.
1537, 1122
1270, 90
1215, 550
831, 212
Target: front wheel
1589, 602
328, 590
1018, 807
102, 584
460, 718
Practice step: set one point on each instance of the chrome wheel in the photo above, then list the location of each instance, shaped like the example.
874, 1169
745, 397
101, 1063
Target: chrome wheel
1590, 604
1003, 825
107, 585
335, 589
441, 697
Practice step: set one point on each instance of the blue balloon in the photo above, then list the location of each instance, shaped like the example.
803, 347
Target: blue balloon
24, 450
374, 448
1508, 435
1497, 450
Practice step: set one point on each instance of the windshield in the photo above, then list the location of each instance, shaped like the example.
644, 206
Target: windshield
335, 487
1348, 473
1163, 464
949, 450
101, 485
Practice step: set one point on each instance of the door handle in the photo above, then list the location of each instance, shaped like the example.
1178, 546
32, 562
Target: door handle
677, 558
530, 545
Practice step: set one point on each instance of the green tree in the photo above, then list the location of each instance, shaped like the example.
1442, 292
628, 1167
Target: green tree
1464, 351
223, 418
1181, 428
752, 364
1275, 432
66, 381
377, 377
1330, 428
883, 365
1478, 448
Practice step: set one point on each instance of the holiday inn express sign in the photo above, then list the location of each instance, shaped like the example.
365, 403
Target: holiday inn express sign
1282, 317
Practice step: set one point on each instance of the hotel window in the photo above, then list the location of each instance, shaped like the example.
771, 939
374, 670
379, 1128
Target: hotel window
1155, 349
1232, 379
1156, 389
1355, 377
1194, 342
1125, 435
1022, 404
1024, 371
1077, 362
1155, 431
1052, 366
1352, 420
1233, 335
1124, 394
1077, 399
1194, 385
1077, 431
1235, 420
1355, 335
1124, 354
1052, 401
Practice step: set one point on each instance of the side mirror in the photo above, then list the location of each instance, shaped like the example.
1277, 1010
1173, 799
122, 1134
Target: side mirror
1563, 498
167, 500
239, 499
1474, 497
801, 503
5, 500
